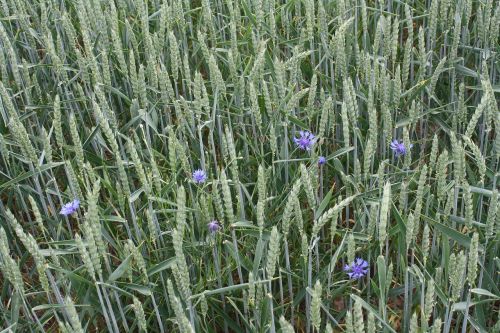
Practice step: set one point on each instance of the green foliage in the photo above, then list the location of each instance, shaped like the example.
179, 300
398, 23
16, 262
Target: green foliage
118, 103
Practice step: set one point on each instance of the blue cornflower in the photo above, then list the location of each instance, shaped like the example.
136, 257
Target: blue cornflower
305, 141
399, 148
70, 207
321, 160
357, 269
213, 226
199, 176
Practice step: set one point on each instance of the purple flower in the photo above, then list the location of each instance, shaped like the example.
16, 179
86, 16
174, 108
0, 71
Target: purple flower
213, 226
199, 176
399, 148
357, 269
321, 160
70, 207
305, 141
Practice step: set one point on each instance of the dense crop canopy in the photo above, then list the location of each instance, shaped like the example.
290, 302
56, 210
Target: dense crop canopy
249, 166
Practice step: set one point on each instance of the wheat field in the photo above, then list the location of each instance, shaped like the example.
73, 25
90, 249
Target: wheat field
249, 166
